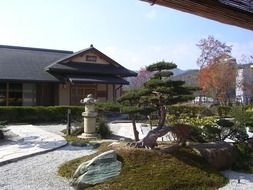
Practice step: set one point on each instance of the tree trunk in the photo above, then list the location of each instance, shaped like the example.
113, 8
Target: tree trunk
162, 117
136, 133
150, 140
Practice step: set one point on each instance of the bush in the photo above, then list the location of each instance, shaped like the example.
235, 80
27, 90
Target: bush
192, 121
103, 129
190, 110
108, 106
244, 160
40, 114
224, 111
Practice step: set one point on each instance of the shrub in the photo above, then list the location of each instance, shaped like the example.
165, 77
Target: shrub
103, 129
192, 121
224, 111
39, 114
75, 131
190, 110
244, 160
108, 106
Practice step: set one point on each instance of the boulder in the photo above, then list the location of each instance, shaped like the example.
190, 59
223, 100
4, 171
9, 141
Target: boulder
220, 155
96, 170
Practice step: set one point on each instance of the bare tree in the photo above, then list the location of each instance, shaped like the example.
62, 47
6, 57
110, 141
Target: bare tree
210, 49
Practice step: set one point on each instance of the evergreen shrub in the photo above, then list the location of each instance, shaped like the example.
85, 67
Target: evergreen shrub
39, 114
189, 110
103, 129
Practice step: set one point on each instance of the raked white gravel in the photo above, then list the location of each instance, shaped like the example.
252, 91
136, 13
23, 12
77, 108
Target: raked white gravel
39, 172
245, 181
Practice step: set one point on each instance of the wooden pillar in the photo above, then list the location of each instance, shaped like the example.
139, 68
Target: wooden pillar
70, 92
106, 92
114, 93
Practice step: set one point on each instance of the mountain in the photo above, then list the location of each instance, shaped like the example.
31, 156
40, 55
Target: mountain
190, 77
177, 71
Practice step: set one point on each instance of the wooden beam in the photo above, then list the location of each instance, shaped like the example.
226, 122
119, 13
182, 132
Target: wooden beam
212, 9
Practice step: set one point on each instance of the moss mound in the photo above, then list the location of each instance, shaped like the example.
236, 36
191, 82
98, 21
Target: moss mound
153, 170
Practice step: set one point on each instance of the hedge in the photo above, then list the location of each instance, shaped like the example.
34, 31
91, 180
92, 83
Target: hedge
39, 114
224, 111
190, 110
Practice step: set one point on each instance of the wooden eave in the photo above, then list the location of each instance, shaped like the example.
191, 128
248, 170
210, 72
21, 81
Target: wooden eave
233, 12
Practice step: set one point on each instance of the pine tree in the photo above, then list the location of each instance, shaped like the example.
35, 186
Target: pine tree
157, 94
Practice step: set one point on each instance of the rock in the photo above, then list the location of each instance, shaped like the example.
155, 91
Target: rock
96, 170
94, 145
80, 144
220, 155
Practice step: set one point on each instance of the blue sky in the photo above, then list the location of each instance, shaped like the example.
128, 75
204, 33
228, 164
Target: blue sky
131, 32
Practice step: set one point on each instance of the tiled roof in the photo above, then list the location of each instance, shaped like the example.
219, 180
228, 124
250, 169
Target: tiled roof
36, 64
90, 68
65, 65
27, 64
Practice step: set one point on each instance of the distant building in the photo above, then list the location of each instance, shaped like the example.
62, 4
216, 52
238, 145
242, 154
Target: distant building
203, 100
244, 84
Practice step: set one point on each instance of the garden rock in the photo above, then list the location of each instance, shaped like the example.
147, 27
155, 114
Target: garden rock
96, 170
220, 154
80, 144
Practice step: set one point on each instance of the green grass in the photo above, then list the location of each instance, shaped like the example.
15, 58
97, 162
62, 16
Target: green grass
153, 170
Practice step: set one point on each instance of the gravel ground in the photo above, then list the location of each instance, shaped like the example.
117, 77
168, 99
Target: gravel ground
57, 128
245, 181
39, 172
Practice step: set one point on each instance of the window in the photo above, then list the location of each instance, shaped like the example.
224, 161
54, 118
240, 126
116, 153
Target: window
29, 94
91, 58
15, 94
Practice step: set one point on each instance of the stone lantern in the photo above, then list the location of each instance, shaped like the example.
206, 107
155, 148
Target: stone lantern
89, 117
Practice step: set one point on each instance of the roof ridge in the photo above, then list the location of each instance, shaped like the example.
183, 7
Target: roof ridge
35, 49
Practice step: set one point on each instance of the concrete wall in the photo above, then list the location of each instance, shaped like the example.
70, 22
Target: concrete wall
64, 94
